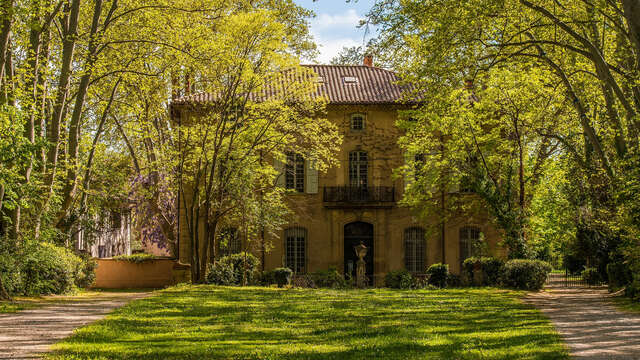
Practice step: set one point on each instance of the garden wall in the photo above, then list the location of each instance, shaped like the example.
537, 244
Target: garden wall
121, 274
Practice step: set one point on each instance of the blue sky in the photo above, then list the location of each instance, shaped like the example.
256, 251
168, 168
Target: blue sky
335, 24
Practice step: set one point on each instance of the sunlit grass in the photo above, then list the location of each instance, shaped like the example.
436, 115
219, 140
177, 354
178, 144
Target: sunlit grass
626, 304
29, 302
206, 322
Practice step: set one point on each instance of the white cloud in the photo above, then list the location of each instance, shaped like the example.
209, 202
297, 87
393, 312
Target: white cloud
324, 21
330, 47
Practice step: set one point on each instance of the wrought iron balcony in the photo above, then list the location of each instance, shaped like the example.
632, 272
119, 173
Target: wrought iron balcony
359, 196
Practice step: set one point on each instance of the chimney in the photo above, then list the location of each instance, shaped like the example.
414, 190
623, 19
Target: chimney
368, 60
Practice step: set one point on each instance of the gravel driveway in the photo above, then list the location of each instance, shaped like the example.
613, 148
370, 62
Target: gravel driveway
589, 323
29, 333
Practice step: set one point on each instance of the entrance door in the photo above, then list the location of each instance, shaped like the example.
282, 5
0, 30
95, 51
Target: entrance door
354, 234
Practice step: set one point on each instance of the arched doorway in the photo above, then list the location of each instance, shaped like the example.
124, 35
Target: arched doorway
354, 234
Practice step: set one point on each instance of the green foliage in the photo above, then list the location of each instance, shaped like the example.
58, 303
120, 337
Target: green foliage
266, 323
438, 275
591, 276
235, 269
330, 278
619, 275
85, 273
136, 258
49, 269
398, 279
526, 274
282, 276
491, 268
221, 273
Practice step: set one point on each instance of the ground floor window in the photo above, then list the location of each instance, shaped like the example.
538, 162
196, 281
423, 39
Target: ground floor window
469, 242
414, 249
295, 247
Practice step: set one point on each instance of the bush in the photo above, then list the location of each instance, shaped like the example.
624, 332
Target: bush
438, 275
137, 258
491, 268
49, 269
232, 270
619, 275
591, 276
220, 273
85, 273
526, 274
633, 290
282, 276
398, 279
329, 279
11, 274
454, 281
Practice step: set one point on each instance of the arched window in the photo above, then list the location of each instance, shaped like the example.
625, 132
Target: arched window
358, 163
294, 172
414, 249
469, 242
229, 240
296, 249
357, 121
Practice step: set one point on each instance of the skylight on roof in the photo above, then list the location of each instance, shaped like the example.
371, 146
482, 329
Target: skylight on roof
320, 79
350, 80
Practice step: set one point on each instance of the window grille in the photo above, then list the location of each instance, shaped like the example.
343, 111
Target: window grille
295, 247
469, 239
414, 249
294, 172
358, 167
357, 122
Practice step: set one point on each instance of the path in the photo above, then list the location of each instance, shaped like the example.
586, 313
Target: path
589, 324
29, 333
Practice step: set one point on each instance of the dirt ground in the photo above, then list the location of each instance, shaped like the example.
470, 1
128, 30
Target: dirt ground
589, 323
29, 333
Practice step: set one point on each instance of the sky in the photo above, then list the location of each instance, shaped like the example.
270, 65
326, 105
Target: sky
335, 25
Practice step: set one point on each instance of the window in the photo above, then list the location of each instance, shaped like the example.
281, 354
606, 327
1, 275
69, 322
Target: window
358, 162
414, 249
357, 122
294, 172
350, 80
469, 242
295, 248
229, 240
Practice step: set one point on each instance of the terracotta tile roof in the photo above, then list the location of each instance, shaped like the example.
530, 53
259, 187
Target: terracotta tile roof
340, 84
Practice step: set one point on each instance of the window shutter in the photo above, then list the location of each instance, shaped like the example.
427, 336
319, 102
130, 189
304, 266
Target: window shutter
312, 177
279, 167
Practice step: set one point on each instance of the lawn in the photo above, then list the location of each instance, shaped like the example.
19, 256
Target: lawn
206, 322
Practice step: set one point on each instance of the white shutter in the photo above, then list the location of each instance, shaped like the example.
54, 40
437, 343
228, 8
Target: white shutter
311, 172
279, 167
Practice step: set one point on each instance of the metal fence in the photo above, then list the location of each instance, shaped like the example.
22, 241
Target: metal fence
567, 279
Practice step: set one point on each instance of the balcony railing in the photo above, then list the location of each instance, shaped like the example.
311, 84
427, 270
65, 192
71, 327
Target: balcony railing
359, 195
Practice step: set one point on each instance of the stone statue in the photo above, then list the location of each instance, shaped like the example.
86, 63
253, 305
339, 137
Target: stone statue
361, 273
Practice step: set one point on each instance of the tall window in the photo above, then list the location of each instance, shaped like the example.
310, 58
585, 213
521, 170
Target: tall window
414, 249
469, 242
295, 247
294, 172
357, 122
358, 163
229, 240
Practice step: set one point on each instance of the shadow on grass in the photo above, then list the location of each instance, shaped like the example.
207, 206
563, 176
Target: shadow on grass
256, 323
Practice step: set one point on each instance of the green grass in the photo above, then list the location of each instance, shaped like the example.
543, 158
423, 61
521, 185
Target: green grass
29, 302
7, 307
206, 322
626, 304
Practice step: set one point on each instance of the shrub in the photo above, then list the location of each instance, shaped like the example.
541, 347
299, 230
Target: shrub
526, 274
633, 290
619, 275
220, 273
454, 280
245, 265
136, 258
282, 276
438, 275
329, 279
591, 276
11, 274
49, 269
398, 279
85, 273
491, 268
